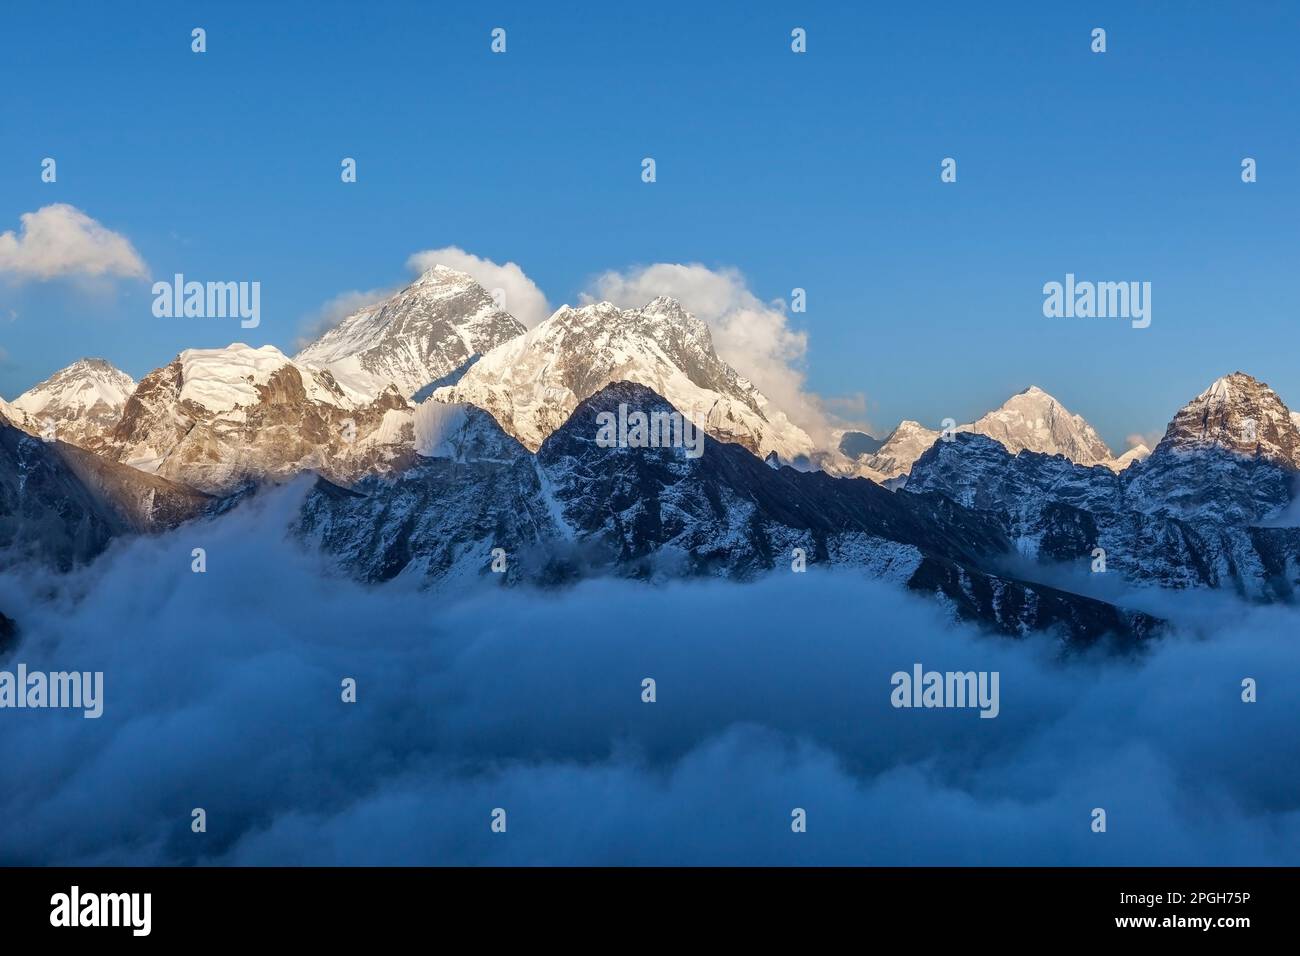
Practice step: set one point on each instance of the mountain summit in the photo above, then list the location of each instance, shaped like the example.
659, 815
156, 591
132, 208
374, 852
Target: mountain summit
79, 404
214, 418
1230, 454
414, 338
1030, 420
1033, 420
531, 385
1237, 413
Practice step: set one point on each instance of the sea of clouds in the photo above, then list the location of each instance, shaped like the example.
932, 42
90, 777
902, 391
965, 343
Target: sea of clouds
222, 691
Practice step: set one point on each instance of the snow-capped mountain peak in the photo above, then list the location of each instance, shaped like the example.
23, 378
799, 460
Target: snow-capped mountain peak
414, 338
213, 418
1138, 452
1238, 413
1230, 454
532, 384
81, 386
901, 447
221, 380
81, 402
1032, 420
443, 278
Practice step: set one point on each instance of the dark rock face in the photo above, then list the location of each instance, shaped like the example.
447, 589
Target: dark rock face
144, 503
440, 520
60, 505
1180, 519
727, 509
46, 514
578, 508
1016, 608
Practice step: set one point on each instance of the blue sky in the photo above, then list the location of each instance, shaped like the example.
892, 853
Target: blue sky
819, 171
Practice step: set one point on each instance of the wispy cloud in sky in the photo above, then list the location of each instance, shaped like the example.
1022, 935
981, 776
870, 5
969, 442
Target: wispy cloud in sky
60, 241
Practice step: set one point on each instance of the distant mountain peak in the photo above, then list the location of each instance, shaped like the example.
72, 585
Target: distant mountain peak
1033, 420
1227, 388
440, 272
667, 306
214, 418
81, 402
417, 336
442, 277
1138, 452
909, 427
1030, 420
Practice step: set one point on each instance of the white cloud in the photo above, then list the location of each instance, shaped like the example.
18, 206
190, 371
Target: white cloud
523, 299
752, 336
248, 714
1150, 439
60, 240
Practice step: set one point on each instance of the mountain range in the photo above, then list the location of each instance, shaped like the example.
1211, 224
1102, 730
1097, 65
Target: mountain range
1031, 420
532, 384
452, 445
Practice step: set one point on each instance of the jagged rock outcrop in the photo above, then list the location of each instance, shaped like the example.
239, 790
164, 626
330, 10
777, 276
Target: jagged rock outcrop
578, 508
1205, 509
214, 419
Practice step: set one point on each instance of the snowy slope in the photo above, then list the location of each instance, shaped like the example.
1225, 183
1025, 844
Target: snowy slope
904, 445
1135, 454
80, 404
1033, 420
14, 416
415, 338
214, 418
532, 384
